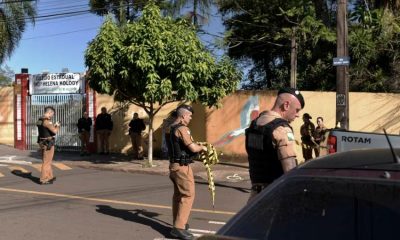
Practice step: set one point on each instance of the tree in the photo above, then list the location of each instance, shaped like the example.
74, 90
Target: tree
6, 76
155, 61
123, 10
14, 16
200, 10
261, 32
375, 50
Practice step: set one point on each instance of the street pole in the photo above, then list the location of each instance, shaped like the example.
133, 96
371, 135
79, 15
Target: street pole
342, 71
293, 60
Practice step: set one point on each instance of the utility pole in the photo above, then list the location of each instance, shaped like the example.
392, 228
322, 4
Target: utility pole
342, 69
293, 60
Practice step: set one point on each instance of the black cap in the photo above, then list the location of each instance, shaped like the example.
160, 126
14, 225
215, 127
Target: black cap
295, 93
187, 107
306, 115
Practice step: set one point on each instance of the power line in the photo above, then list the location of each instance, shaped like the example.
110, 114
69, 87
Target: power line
59, 34
16, 1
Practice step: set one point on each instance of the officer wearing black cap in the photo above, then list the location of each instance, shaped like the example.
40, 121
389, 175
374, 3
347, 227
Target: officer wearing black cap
182, 150
270, 142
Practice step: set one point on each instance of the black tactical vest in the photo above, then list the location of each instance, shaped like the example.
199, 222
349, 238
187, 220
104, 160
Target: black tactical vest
176, 148
264, 165
43, 131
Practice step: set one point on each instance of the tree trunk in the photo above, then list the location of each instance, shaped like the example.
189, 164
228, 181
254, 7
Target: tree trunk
149, 162
293, 60
195, 13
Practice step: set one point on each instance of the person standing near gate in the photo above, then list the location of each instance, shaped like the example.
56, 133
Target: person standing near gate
183, 150
46, 140
104, 126
136, 126
84, 124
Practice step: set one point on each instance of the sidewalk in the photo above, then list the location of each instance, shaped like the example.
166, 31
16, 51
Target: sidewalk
223, 172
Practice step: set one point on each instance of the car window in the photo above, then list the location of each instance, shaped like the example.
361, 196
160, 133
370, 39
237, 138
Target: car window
305, 208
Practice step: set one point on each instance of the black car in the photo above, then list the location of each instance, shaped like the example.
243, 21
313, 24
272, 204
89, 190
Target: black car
348, 195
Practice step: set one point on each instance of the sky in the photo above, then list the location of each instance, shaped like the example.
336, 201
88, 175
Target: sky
57, 42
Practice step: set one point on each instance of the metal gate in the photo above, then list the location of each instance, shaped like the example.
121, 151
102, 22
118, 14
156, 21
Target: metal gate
68, 109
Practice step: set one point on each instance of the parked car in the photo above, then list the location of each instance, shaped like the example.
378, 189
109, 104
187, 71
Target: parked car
339, 140
348, 195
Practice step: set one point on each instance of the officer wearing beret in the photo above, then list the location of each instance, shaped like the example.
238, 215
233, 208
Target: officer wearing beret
182, 150
270, 140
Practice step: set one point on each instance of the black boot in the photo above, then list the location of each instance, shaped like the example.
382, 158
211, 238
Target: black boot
182, 234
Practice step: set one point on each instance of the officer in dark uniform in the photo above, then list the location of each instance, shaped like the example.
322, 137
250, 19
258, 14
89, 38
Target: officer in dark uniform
46, 140
104, 126
84, 124
307, 131
270, 140
182, 151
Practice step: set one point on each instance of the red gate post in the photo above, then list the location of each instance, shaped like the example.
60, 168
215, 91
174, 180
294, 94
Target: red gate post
91, 110
20, 96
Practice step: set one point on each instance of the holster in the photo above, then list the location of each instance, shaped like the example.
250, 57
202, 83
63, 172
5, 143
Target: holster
183, 161
46, 144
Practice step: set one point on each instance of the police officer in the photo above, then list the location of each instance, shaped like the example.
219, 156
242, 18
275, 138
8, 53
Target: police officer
136, 126
84, 124
183, 150
270, 140
46, 140
104, 126
307, 132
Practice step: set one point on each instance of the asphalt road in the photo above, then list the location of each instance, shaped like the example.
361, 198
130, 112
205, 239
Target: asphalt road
93, 204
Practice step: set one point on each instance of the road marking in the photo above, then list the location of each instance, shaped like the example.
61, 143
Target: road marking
202, 231
215, 222
18, 168
61, 166
10, 160
109, 201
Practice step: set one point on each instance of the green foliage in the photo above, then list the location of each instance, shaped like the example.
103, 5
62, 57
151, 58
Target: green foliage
122, 10
13, 19
374, 46
156, 60
261, 31
6, 76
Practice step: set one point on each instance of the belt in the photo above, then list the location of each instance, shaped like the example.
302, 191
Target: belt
259, 187
48, 138
181, 161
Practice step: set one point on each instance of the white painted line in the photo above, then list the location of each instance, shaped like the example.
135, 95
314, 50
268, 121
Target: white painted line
197, 235
201, 231
217, 223
3, 165
165, 238
10, 159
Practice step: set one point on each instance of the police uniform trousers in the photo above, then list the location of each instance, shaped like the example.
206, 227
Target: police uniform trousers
84, 136
47, 159
184, 192
103, 136
307, 151
137, 144
256, 188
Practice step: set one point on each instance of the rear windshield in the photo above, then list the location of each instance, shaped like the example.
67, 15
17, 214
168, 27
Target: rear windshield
324, 209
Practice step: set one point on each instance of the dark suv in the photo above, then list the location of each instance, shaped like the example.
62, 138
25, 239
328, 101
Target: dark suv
348, 195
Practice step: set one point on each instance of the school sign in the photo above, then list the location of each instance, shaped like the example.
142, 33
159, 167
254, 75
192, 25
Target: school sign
56, 83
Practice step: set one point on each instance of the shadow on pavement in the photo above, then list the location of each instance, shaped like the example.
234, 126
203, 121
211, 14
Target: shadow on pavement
140, 216
19, 173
